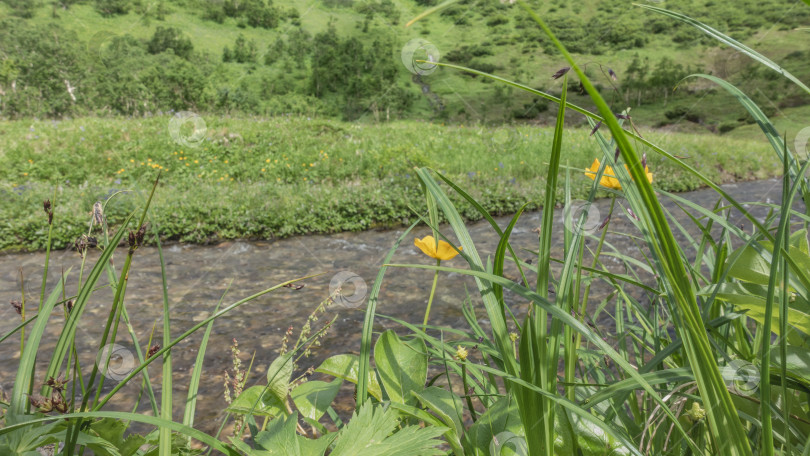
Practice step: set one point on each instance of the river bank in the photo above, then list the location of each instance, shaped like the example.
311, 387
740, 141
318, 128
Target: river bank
257, 179
198, 277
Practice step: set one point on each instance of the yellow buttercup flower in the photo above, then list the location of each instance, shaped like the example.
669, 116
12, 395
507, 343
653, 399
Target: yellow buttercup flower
609, 179
427, 245
461, 353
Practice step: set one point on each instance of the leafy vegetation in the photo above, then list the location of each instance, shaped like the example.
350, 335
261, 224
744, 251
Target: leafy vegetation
270, 178
343, 59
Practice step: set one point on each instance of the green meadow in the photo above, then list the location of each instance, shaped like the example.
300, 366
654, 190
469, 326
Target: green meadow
259, 178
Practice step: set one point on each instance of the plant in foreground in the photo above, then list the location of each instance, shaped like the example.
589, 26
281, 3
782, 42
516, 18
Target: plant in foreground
440, 250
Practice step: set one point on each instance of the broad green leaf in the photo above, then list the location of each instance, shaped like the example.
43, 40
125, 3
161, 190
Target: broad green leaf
591, 440
346, 366
257, 400
447, 406
749, 265
181, 429
280, 437
314, 397
798, 241
501, 419
278, 377
754, 305
798, 362
402, 366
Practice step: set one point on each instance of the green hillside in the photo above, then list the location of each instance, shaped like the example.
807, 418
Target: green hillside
344, 58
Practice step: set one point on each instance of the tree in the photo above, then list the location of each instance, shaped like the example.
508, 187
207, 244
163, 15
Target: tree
261, 15
635, 78
667, 73
113, 7
170, 38
244, 51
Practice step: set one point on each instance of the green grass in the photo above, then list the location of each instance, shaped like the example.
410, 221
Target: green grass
468, 99
267, 178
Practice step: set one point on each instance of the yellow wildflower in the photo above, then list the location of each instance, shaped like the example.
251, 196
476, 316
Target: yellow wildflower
609, 179
427, 245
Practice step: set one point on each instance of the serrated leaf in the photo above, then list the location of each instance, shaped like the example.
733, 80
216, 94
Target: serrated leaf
370, 432
113, 431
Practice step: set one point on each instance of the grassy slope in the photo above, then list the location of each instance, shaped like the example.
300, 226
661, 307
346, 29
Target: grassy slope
363, 177
267, 178
467, 100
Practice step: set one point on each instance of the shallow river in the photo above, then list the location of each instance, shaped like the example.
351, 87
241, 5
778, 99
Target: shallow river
199, 275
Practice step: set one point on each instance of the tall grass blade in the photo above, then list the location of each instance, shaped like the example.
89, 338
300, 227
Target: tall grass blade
23, 382
138, 418
672, 158
729, 42
189, 332
368, 324
566, 319
726, 430
165, 445
194, 382
494, 309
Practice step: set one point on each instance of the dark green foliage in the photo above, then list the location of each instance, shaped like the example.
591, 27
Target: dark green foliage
214, 12
338, 3
261, 15
254, 13
113, 7
244, 51
497, 20
22, 8
382, 8
43, 66
351, 71
352, 74
681, 112
170, 38
465, 54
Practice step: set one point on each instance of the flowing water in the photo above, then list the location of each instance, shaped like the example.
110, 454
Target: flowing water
198, 276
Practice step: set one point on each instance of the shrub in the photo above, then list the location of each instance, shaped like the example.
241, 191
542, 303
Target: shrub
170, 38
